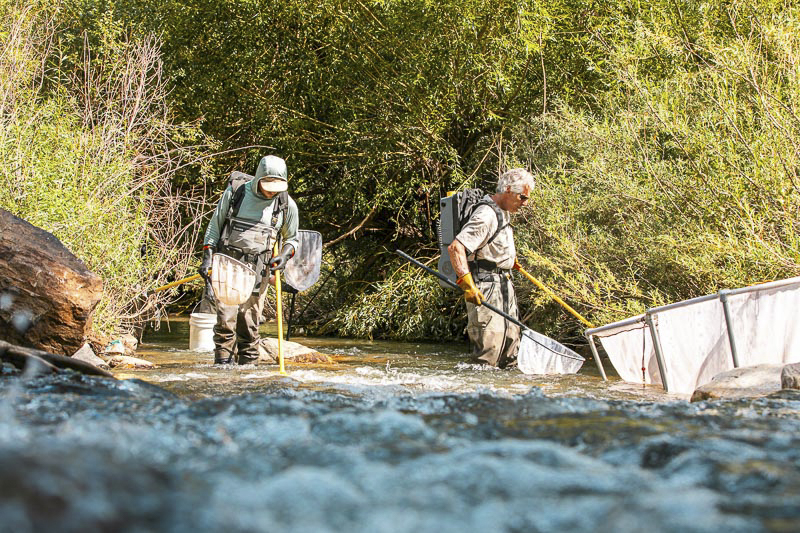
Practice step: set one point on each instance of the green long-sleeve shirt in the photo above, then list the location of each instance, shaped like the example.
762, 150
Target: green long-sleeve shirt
254, 206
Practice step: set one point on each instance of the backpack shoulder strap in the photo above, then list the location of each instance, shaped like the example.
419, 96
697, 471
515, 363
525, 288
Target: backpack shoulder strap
236, 199
499, 213
281, 206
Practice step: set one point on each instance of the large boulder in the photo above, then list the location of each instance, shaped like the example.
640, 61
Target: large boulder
47, 295
745, 382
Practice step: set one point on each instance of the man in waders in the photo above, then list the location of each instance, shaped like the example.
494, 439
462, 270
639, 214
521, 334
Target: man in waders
244, 226
483, 255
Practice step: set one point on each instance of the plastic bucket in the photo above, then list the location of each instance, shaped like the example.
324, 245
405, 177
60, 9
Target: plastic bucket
201, 331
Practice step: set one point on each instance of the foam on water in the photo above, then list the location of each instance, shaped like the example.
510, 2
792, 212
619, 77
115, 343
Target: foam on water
386, 442
297, 459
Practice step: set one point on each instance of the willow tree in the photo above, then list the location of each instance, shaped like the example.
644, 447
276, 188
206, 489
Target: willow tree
684, 178
88, 151
379, 107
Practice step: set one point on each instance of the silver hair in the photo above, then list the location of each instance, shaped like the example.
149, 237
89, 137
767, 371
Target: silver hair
516, 179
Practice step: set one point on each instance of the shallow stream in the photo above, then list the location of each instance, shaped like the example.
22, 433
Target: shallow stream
392, 437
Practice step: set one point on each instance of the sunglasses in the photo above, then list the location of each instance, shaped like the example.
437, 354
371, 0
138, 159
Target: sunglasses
523, 197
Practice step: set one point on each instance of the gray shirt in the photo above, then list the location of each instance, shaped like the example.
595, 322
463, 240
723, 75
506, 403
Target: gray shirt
480, 228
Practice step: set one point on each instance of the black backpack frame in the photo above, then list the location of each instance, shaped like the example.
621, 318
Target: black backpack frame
456, 210
236, 182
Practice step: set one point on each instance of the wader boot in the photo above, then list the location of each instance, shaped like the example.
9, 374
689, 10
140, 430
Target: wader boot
237, 325
222, 358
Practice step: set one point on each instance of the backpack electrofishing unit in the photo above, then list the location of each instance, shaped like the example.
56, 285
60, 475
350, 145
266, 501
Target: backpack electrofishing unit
455, 211
302, 270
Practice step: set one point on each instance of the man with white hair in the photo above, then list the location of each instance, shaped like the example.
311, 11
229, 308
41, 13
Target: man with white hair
248, 220
483, 255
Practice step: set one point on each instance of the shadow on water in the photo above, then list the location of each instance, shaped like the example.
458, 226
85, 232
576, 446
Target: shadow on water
394, 437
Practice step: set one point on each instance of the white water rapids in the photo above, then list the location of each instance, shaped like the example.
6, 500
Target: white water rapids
391, 438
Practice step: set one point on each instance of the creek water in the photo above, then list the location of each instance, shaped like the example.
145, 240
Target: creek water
392, 437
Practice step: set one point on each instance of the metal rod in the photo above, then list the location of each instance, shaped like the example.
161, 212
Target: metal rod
597, 361
279, 315
453, 285
662, 370
766, 286
726, 309
291, 313
684, 303
614, 325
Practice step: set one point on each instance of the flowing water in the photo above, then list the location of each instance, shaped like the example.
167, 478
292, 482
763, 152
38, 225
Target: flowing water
391, 437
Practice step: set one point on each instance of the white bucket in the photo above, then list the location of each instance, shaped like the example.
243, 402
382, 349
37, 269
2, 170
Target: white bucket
201, 331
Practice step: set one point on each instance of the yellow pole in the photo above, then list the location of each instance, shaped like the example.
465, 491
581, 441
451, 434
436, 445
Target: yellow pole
556, 298
279, 313
176, 283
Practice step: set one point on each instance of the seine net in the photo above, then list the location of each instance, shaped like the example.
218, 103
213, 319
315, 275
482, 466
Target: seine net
696, 342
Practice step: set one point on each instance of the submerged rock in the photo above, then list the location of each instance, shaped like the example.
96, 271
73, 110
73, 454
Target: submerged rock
746, 382
124, 361
292, 351
47, 295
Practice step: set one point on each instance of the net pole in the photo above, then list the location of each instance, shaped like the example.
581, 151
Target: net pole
657, 347
726, 309
596, 355
453, 285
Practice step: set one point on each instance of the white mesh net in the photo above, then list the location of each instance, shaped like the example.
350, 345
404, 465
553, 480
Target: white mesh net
694, 337
232, 280
302, 270
542, 355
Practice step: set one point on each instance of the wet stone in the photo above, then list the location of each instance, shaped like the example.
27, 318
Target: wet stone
87, 355
293, 351
746, 382
131, 343
790, 376
124, 361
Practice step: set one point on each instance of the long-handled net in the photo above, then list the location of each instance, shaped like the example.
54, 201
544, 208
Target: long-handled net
542, 355
537, 354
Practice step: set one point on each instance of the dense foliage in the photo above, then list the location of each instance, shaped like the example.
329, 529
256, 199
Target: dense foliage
664, 137
683, 178
88, 154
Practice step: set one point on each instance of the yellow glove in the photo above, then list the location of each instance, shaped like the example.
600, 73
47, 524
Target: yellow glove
471, 292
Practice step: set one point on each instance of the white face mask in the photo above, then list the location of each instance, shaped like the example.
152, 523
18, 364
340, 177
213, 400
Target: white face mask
269, 186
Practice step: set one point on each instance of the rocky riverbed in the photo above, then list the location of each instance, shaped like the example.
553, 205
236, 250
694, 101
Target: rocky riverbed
394, 442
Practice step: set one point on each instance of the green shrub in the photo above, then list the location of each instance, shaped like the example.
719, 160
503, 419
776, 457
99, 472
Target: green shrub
683, 181
88, 155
